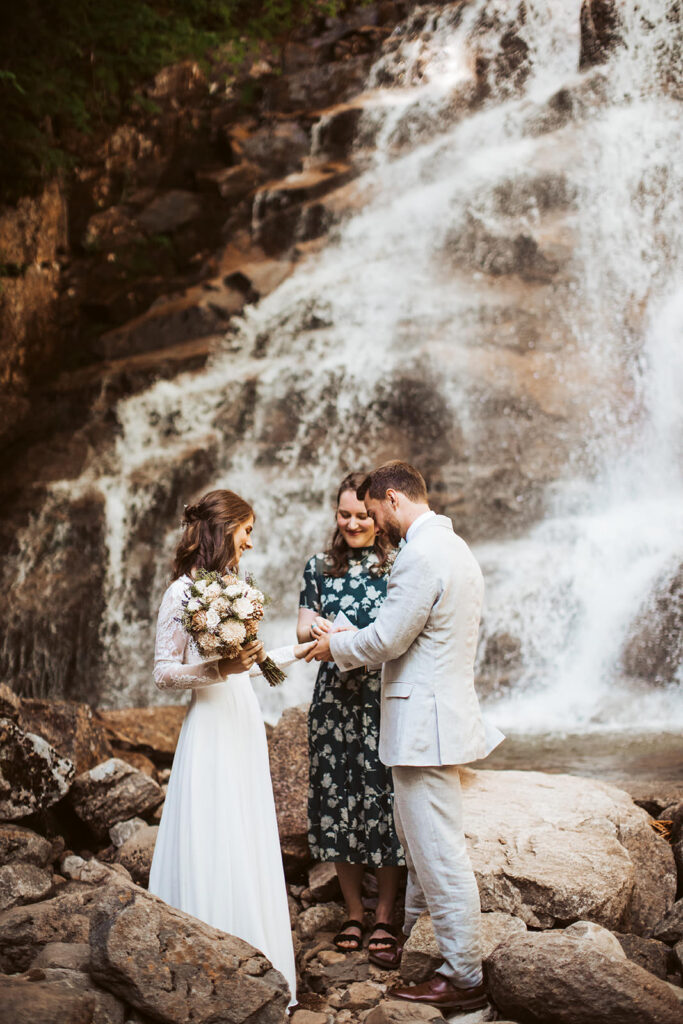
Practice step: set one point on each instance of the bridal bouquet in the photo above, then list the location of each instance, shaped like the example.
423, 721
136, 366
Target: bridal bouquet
221, 613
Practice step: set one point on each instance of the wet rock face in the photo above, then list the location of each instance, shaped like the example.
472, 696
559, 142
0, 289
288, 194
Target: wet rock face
56, 649
654, 650
32, 774
600, 23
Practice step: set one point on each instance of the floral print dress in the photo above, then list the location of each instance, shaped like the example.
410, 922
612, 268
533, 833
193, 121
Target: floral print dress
350, 796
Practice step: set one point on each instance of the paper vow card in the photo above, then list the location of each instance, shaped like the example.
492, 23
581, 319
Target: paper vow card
342, 622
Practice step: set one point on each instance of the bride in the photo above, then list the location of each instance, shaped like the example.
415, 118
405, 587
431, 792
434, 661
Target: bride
217, 854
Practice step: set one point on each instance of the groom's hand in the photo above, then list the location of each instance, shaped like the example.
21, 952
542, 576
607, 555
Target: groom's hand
321, 651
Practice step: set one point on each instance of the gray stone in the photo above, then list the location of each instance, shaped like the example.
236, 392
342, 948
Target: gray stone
175, 968
360, 995
323, 882
19, 844
32, 774
288, 750
674, 814
137, 852
655, 876
123, 830
670, 928
23, 883
678, 955
600, 937
72, 956
92, 871
23, 1001
648, 953
111, 792
322, 917
393, 1011
555, 978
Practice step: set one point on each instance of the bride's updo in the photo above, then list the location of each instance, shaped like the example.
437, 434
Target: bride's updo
208, 532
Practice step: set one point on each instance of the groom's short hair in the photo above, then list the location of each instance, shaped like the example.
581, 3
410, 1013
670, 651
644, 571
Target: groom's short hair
397, 476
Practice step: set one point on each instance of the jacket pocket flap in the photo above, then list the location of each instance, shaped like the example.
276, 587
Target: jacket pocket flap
397, 689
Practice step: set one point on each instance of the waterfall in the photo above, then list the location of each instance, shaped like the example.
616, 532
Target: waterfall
499, 300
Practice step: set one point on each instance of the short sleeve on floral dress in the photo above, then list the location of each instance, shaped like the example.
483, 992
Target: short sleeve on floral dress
350, 797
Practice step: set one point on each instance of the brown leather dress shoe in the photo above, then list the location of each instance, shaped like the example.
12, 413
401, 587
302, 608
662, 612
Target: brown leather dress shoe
442, 993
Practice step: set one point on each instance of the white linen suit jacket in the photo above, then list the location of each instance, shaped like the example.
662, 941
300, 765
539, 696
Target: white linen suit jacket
425, 637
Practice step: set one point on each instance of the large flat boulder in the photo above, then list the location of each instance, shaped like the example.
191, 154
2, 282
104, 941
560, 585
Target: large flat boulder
111, 792
175, 968
552, 849
33, 776
559, 978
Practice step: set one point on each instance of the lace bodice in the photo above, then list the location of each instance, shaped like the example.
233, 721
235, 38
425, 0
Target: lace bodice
177, 665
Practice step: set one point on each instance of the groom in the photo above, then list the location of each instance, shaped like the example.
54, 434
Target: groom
425, 635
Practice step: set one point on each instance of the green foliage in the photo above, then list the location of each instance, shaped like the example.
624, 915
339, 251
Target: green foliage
69, 68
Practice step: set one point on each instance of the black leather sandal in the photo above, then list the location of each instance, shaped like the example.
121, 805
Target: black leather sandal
387, 952
344, 936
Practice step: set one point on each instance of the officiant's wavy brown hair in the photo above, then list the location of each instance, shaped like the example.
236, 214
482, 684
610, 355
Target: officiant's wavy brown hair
337, 554
208, 540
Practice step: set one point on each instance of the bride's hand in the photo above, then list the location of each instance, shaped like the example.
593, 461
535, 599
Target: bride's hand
301, 650
249, 654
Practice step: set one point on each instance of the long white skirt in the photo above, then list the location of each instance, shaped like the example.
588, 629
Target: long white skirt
217, 855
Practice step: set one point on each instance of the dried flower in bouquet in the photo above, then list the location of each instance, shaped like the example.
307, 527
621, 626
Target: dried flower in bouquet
222, 613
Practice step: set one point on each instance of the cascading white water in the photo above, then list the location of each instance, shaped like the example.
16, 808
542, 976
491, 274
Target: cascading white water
518, 259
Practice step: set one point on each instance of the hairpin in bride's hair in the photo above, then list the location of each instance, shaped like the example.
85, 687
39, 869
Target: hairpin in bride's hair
190, 515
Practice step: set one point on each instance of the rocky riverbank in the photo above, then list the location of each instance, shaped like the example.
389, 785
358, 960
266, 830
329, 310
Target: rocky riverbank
579, 888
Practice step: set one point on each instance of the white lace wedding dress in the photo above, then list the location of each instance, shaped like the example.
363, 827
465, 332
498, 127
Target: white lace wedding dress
217, 854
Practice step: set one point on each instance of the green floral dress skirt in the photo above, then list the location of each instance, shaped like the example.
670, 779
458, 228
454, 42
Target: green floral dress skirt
350, 796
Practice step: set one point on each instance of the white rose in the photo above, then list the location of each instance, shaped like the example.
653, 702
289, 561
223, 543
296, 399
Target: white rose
213, 590
201, 586
255, 595
193, 605
212, 618
243, 608
234, 590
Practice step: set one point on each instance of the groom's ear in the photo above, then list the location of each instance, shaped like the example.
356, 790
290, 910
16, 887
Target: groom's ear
392, 497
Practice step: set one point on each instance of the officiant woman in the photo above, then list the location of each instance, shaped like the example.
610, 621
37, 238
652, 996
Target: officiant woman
350, 798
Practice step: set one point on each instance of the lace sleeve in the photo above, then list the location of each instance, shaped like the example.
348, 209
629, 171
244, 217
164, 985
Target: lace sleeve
282, 656
170, 672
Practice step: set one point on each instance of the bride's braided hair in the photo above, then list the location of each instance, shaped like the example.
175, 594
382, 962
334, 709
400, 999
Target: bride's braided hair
209, 526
